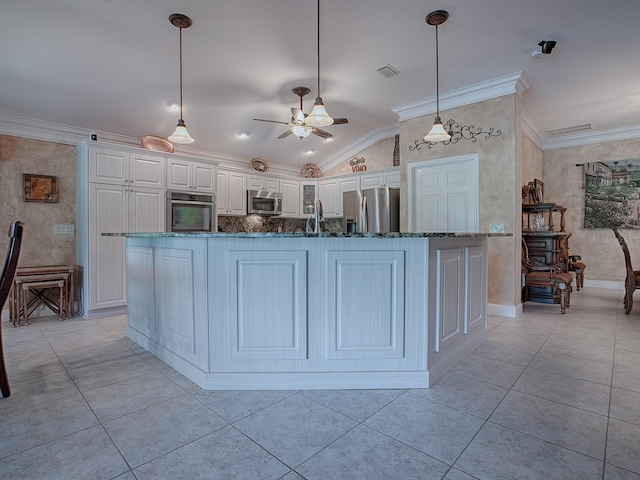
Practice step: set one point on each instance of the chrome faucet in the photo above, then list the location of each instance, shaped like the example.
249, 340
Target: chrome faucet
318, 217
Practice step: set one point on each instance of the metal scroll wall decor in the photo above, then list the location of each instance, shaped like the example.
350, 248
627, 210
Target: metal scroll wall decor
459, 132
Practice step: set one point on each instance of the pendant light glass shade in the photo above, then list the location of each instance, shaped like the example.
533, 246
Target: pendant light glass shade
180, 135
318, 116
437, 133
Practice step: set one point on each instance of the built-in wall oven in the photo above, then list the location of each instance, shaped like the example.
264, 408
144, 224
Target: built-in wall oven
191, 212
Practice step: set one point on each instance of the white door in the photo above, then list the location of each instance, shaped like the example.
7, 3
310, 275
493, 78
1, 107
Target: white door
443, 195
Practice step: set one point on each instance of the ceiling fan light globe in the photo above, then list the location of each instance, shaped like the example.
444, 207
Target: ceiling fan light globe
301, 131
181, 135
319, 116
437, 133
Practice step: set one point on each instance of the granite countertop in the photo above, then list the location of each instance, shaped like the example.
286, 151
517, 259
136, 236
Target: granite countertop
309, 235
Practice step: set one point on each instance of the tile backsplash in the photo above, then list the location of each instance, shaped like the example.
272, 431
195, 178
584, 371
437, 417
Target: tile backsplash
259, 223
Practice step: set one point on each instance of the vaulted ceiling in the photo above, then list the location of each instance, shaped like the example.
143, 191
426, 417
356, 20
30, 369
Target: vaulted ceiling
112, 65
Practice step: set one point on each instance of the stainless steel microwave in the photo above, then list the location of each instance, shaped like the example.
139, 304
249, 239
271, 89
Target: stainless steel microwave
264, 202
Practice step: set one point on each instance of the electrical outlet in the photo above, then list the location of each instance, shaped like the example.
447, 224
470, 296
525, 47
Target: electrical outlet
496, 228
63, 229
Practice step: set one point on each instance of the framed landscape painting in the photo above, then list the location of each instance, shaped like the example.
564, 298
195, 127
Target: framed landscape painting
612, 194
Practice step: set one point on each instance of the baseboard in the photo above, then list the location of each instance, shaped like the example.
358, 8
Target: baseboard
511, 311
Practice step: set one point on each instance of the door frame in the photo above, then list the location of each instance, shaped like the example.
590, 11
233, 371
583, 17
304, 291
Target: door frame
412, 168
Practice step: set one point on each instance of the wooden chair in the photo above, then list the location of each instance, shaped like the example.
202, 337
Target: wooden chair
538, 274
577, 267
632, 279
6, 280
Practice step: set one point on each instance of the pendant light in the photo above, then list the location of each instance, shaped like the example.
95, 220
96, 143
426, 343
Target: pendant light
437, 133
181, 135
318, 116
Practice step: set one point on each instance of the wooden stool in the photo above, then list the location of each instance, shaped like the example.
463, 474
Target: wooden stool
39, 291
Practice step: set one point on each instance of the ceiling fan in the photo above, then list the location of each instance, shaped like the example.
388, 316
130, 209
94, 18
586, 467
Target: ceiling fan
298, 125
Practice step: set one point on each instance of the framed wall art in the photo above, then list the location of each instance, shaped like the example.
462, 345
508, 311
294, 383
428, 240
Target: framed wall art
40, 188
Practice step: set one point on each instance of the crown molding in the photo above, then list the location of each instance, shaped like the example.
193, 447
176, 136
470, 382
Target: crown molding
590, 138
371, 138
531, 130
514, 83
67, 135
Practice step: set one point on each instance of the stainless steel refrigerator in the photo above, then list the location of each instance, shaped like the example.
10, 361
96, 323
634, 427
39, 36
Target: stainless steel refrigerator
375, 210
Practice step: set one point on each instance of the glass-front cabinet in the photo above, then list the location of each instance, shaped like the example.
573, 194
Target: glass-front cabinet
309, 195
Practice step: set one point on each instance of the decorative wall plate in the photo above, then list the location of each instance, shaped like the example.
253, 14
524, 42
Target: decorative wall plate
159, 144
310, 170
260, 165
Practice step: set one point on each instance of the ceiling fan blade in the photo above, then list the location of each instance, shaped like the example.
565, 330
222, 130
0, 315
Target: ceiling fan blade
270, 121
321, 133
338, 121
285, 134
297, 115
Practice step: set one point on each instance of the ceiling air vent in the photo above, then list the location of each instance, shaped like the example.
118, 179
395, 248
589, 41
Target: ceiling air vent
568, 130
388, 71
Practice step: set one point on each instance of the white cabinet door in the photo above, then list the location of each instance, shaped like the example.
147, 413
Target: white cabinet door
383, 178
147, 170
290, 190
222, 196
328, 194
108, 166
237, 194
178, 174
256, 182
146, 210
392, 179
187, 175
371, 180
109, 211
204, 177
231, 197
346, 185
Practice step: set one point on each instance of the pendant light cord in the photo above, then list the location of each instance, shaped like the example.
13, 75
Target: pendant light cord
318, 31
181, 73
437, 78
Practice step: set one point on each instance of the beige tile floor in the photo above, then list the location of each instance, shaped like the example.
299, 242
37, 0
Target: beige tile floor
549, 396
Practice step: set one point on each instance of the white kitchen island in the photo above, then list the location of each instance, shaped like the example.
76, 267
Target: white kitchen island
262, 311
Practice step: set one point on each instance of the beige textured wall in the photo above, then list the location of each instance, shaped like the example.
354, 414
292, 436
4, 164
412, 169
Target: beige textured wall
39, 246
563, 185
532, 161
378, 155
500, 173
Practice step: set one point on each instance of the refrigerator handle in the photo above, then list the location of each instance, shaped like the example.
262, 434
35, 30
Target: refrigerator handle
362, 215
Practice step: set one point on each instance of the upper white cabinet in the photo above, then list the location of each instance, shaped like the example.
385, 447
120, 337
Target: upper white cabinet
330, 193
290, 190
260, 182
189, 175
231, 196
381, 178
124, 168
